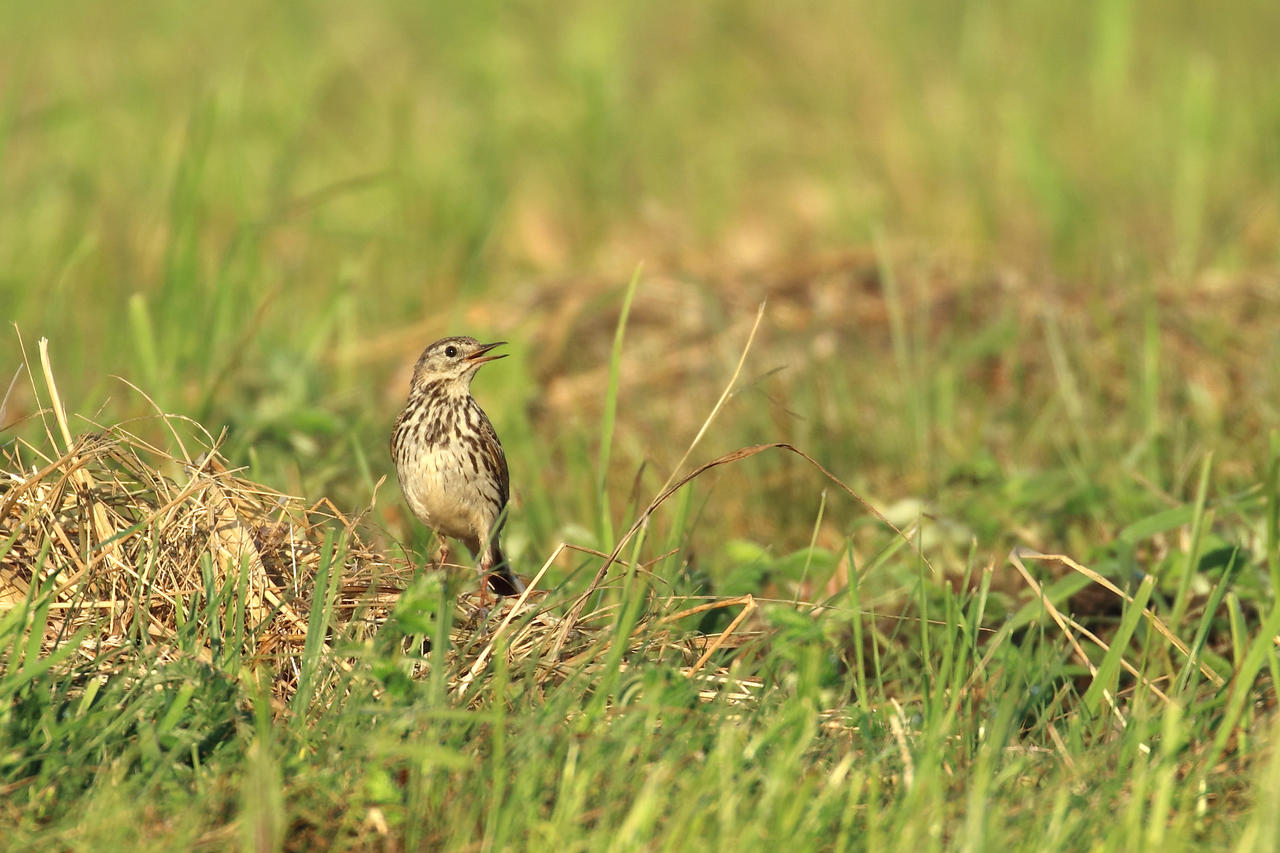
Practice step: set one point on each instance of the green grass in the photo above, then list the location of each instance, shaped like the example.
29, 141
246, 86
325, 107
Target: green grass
1020, 265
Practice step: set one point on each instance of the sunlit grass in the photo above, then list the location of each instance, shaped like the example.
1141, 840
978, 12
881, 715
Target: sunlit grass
1018, 265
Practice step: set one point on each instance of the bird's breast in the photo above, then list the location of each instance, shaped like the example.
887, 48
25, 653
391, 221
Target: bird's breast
444, 491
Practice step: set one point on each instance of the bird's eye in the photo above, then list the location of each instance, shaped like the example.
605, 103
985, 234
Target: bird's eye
451, 351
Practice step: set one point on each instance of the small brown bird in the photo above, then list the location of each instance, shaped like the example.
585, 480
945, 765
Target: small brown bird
450, 463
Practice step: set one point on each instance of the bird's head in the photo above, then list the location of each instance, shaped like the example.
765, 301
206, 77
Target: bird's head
453, 360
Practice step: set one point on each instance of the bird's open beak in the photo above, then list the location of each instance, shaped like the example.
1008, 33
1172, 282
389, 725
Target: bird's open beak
476, 357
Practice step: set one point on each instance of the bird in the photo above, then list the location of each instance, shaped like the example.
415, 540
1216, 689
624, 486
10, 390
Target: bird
449, 461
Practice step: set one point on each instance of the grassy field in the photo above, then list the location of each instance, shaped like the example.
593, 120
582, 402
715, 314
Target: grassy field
1020, 270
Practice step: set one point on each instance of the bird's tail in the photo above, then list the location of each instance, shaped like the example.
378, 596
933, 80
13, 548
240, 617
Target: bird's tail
502, 580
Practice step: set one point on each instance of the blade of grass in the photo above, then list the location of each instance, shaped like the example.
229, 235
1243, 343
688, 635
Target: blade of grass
1105, 679
322, 598
853, 590
1273, 511
1192, 559
1207, 621
1259, 649
608, 416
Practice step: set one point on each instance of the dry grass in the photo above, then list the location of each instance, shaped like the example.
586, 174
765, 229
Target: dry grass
130, 552
129, 543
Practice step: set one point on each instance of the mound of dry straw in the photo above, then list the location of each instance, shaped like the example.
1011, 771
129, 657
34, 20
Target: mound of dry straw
128, 543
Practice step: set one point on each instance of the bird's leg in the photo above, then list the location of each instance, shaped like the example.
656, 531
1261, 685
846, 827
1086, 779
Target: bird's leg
442, 559
442, 553
486, 566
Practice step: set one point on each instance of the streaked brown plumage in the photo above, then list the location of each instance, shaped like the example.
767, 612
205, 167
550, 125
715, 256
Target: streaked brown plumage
450, 463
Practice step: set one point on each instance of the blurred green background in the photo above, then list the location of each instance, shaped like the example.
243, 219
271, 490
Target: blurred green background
1020, 259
